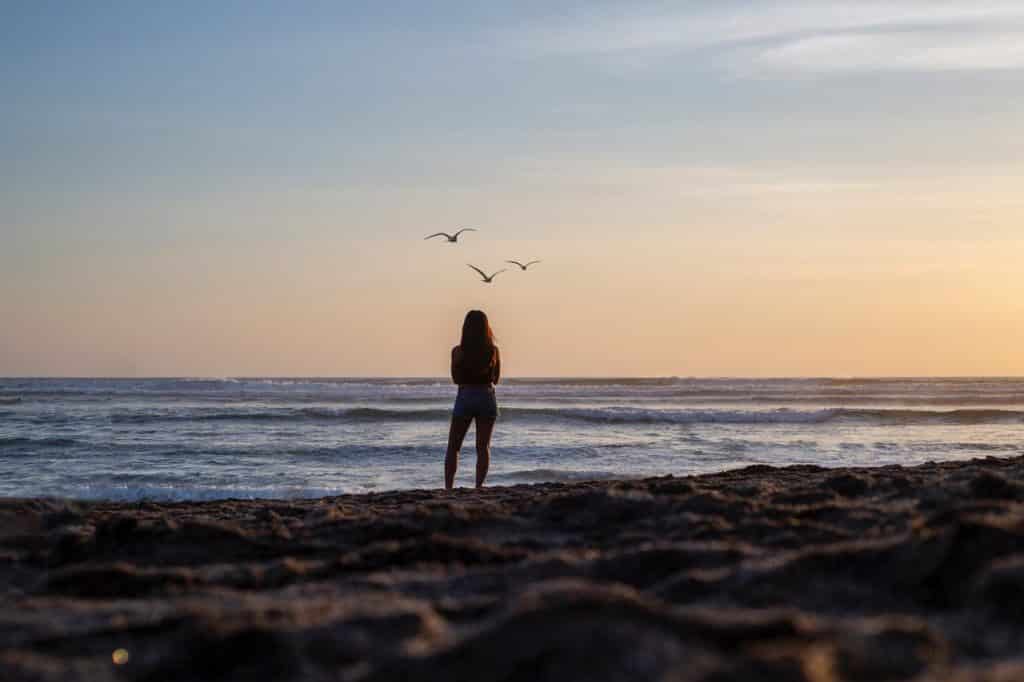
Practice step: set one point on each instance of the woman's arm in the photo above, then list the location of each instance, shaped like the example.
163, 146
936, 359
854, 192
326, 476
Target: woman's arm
496, 374
456, 361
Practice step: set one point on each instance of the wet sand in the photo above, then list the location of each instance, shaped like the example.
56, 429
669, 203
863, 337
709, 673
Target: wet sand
763, 573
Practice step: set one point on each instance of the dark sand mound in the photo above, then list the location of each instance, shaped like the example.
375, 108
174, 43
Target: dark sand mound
759, 574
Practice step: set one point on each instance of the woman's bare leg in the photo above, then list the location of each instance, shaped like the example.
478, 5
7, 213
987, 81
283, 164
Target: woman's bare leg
456, 434
484, 429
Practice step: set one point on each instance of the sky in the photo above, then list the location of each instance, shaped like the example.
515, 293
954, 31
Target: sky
731, 188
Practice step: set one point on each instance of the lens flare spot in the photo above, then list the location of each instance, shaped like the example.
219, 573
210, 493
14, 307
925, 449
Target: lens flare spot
120, 656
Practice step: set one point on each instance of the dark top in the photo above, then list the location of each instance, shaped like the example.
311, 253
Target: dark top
483, 375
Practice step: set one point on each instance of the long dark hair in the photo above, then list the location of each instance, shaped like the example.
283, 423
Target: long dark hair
477, 339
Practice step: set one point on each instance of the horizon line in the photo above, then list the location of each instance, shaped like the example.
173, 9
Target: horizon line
694, 377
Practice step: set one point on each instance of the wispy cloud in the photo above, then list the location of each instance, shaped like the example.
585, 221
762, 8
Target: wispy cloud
680, 180
823, 36
905, 51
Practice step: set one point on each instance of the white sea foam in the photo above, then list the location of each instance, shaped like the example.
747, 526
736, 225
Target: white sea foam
610, 414
555, 476
182, 493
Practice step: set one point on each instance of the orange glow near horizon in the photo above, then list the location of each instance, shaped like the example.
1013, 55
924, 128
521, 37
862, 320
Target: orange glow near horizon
662, 304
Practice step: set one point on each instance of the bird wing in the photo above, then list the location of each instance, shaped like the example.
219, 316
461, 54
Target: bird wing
533, 262
515, 262
496, 274
439, 234
465, 229
482, 273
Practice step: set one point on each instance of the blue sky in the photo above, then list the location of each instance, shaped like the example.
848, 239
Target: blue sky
182, 96
226, 130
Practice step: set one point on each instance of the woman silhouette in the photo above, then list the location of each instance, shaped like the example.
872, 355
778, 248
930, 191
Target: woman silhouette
476, 368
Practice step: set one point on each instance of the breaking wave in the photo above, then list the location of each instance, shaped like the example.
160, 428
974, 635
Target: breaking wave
37, 442
598, 415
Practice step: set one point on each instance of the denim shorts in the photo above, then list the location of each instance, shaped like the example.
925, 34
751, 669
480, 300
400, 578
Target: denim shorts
475, 401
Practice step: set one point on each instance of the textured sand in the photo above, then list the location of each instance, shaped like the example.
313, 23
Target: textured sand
796, 573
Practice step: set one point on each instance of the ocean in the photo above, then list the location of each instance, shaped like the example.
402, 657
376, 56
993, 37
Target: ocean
202, 439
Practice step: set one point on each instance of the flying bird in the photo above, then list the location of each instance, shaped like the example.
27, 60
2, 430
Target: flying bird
522, 265
452, 238
487, 279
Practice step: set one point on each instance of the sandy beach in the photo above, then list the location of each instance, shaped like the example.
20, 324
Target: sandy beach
797, 573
